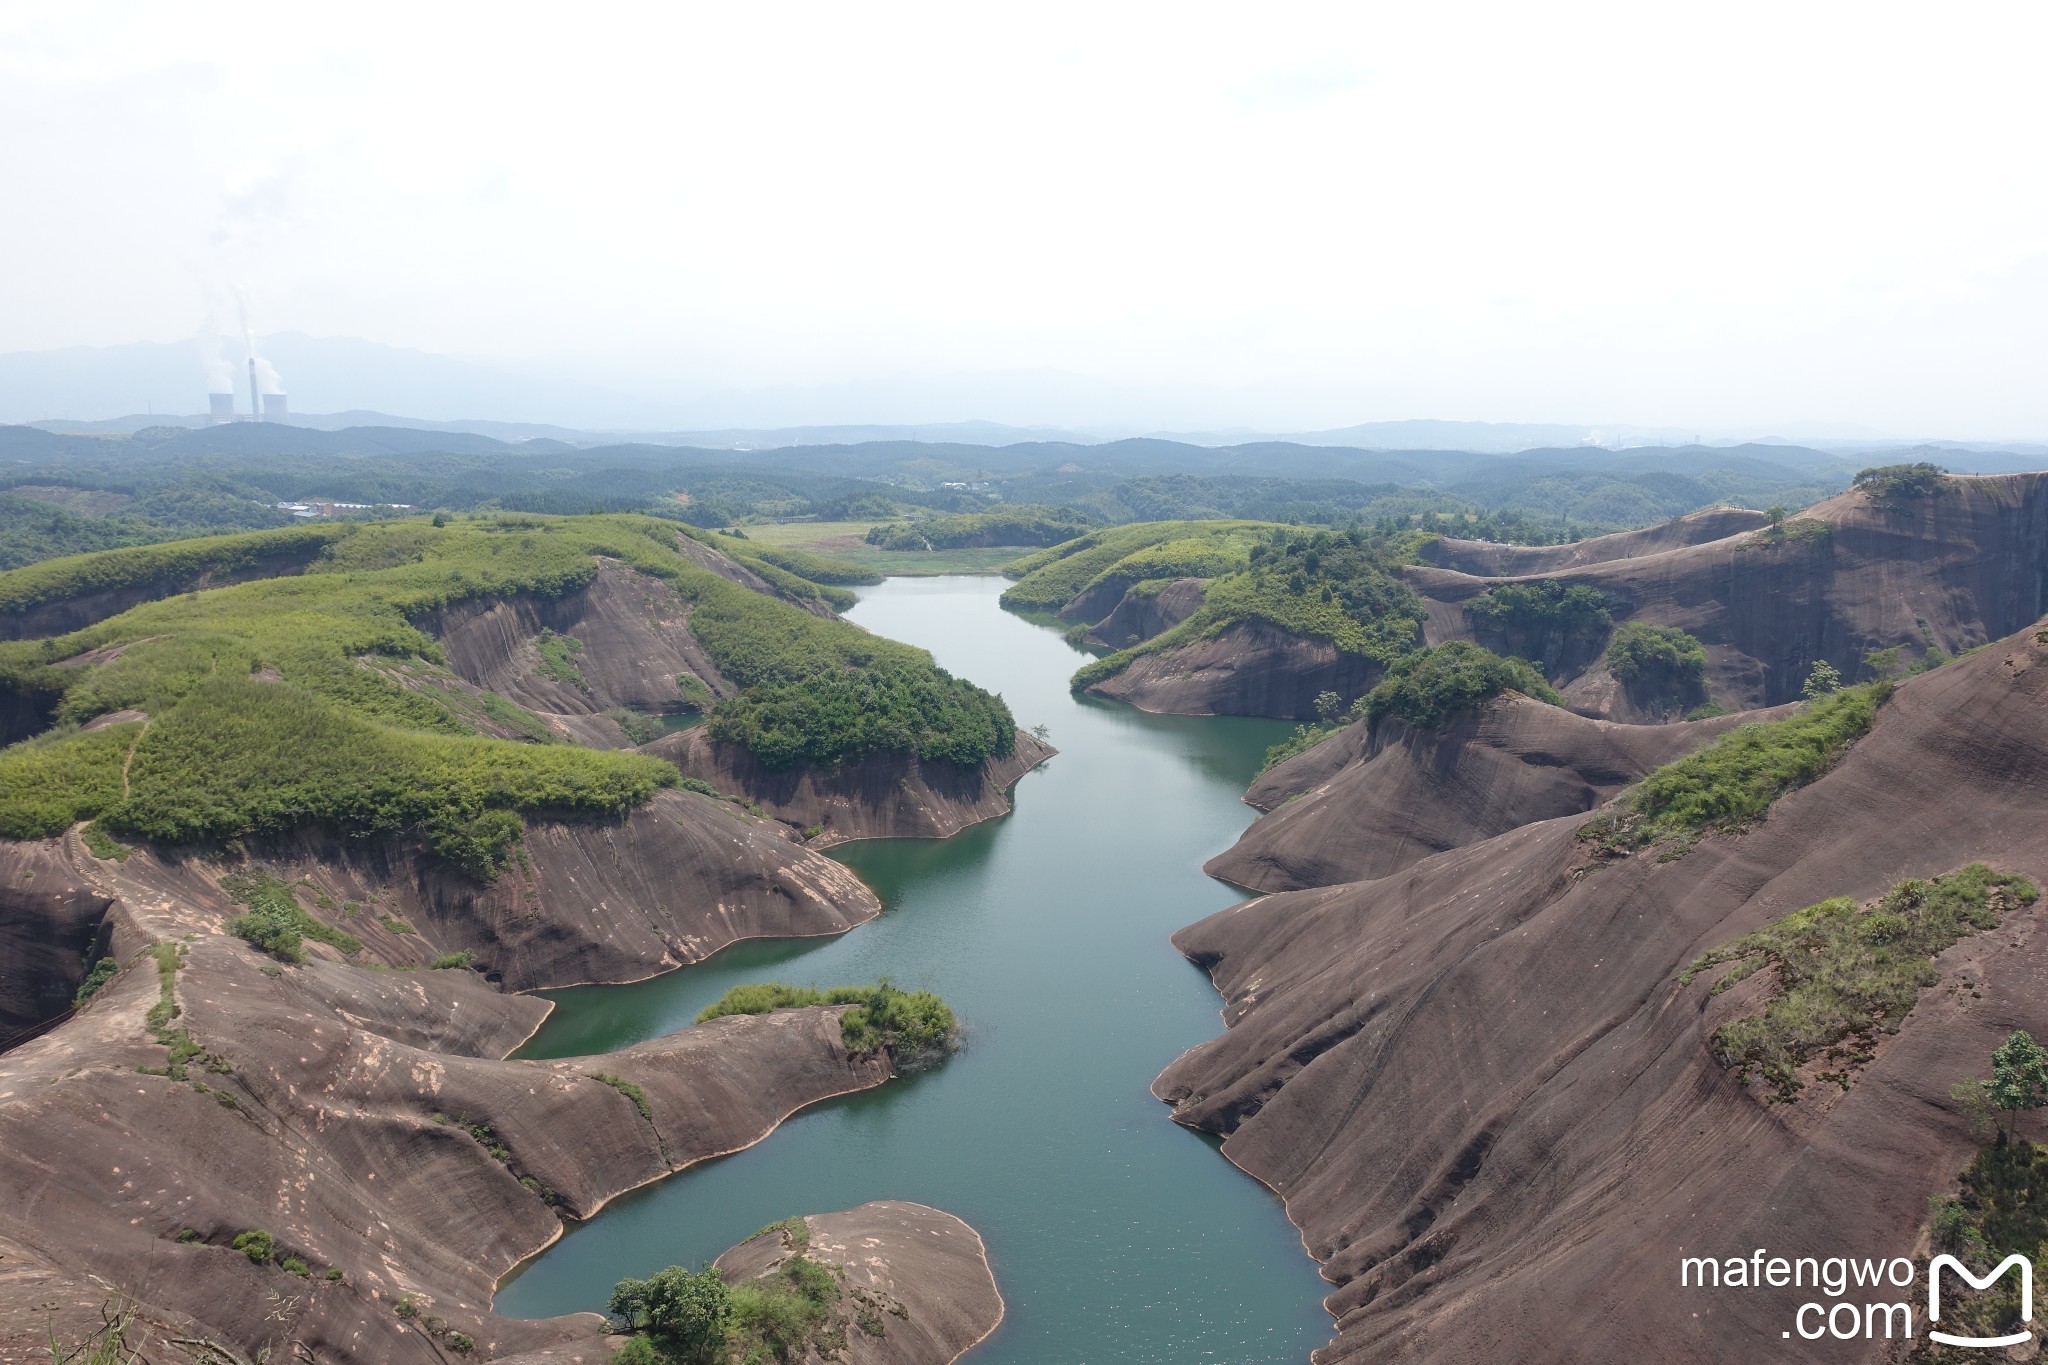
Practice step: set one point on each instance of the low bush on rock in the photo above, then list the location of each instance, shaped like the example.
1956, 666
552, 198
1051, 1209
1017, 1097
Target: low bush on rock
1844, 973
909, 1024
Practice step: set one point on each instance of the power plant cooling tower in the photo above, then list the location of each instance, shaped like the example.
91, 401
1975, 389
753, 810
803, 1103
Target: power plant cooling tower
220, 407
273, 407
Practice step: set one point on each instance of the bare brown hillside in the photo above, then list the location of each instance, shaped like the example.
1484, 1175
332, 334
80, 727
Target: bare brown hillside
365, 1122
1367, 804
1487, 1101
1851, 575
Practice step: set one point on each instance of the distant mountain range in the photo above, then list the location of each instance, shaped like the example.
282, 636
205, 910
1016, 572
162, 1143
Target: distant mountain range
344, 382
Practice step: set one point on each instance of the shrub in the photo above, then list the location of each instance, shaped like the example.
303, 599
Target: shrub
1304, 738
1657, 656
912, 1025
295, 1266
103, 845
1894, 482
102, 972
169, 957
276, 922
1429, 688
256, 1244
558, 658
1844, 974
1545, 605
685, 1314
454, 961
1733, 781
628, 1089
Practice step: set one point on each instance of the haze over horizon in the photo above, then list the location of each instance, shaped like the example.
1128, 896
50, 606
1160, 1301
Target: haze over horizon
1821, 220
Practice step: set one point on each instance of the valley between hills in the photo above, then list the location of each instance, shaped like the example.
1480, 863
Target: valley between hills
1609, 899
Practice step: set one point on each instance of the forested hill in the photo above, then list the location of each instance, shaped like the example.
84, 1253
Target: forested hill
321, 697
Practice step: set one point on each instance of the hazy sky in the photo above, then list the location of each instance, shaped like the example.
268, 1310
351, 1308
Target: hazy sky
1305, 215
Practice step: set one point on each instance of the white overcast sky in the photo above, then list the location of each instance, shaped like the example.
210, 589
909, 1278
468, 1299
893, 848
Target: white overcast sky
1699, 214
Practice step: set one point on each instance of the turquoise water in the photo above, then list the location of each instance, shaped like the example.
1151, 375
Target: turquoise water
1115, 1235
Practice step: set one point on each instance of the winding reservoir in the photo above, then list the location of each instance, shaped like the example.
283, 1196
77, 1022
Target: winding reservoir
1115, 1234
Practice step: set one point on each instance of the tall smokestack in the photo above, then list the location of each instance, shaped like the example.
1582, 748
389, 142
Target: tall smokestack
255, 402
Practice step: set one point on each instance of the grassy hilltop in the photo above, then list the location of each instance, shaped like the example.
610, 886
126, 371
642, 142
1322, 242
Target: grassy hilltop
318, 699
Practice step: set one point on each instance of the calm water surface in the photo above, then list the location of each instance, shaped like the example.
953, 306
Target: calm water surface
1115, 1234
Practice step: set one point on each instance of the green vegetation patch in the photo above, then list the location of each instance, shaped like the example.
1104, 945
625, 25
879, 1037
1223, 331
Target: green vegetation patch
104, 845
1656, 655
628, 1089
1429, 688
1051, 578
1022, 524
51, 782
256, 1244
238, 757
558, 658
1659, 664
275, 922
1897, 482
169, 958
1844, 974
170, 565
1337, 586
909, 1024
102, 972
693, 1317
1733, 781
1544, 605
281, 701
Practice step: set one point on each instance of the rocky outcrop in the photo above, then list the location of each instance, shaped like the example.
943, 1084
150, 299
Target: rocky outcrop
1249, 669
669, 884
632, 644
1851, 575
48, 926
894, 796
1138, 616
917, 1285
1486, 559
1486, 1100
1367, 804
363, 1120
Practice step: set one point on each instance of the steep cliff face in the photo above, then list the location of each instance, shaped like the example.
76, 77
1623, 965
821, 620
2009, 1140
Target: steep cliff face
632, 644
1251, 669
1851, 575
886, 796
670, 884
1138, 616
1487, 1101
365, 1122
1362, 805
48, 925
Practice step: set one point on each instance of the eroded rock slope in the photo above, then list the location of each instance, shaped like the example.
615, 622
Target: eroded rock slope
1487, 1100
